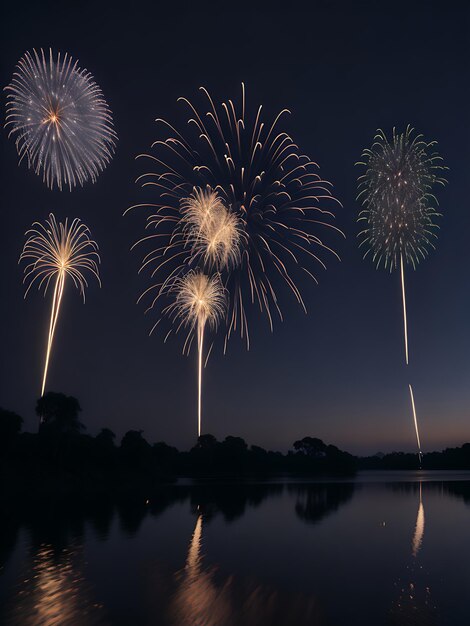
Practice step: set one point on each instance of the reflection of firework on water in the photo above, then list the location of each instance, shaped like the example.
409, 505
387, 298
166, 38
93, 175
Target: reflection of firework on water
203, 596
54, 251
272, 195
61, 122
419, 528
199, 300
53, 590
414, 603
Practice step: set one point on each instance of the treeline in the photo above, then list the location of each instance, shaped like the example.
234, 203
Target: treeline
62, 455
448, 459
63, 450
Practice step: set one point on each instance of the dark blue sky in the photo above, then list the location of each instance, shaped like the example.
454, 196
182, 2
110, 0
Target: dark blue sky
343, 69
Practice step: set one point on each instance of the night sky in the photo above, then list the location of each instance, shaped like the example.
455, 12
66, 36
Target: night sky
343, 69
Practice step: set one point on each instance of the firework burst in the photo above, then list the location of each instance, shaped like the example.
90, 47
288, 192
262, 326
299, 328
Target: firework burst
212, 231
55, 251
200, 300
396, 191
61, 123
400, 208
268, 197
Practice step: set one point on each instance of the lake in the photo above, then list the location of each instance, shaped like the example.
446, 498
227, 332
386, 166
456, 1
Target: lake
383, 548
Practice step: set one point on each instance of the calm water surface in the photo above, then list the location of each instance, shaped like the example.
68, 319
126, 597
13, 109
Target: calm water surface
388, 548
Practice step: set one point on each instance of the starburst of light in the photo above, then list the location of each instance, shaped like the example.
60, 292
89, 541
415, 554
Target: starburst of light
212, 231
59, 118
396, 191
277, 209
200, 300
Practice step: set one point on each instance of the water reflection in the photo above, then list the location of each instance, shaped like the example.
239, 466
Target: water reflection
458, 489
317, 501
414, 605
206, 598
170, 555
231, 500
53, 591
198, 600
419, 528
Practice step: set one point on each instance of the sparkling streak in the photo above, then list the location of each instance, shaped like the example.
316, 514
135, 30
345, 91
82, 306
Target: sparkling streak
420, 454
200, 346
405, 323
56, 302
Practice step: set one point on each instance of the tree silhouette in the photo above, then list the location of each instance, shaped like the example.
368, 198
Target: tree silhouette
235, 446
105, 452
206, 442
10, 426
311, 446
105, 438
59, 413
135, 450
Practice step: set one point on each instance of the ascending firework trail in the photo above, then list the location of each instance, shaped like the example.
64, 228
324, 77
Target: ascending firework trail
399, 208
199, 300
56, 252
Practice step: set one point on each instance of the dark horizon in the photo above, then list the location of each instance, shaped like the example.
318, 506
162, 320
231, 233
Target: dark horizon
337, 373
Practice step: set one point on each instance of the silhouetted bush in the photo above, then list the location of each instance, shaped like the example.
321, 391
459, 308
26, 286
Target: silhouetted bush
10, 427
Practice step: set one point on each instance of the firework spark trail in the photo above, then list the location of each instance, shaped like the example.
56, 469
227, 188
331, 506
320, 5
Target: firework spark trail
199, 300
420, 454
273, 199
60, 120
396, 192
57, 250
56, 302
200, 347
405, 322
